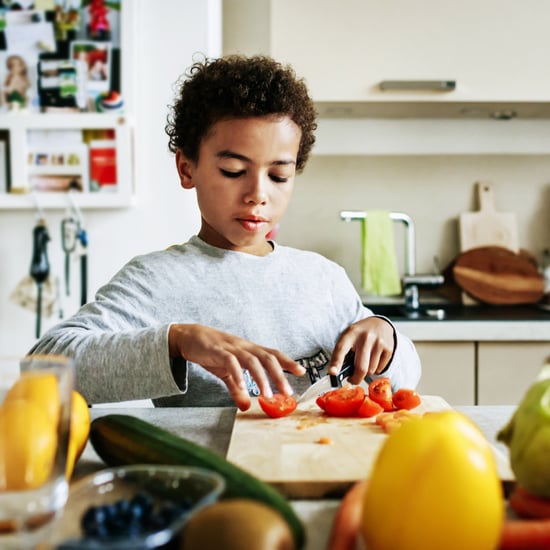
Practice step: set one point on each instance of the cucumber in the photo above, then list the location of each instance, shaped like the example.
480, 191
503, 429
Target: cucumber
120, 439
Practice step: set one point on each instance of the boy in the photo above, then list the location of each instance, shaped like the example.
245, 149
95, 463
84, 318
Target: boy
230, 313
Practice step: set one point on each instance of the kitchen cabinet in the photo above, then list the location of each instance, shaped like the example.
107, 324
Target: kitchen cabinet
44, 152
507, 369
405, 59
448, 370
480, 372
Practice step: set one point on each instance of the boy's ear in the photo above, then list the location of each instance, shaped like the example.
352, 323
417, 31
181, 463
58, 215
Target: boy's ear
185, 170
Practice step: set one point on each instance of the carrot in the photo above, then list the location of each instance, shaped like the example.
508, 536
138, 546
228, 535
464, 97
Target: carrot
347, 521
525, 534
526, 505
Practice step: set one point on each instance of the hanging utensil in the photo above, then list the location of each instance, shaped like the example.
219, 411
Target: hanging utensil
40, 266
69, 232
82, 237
80, 240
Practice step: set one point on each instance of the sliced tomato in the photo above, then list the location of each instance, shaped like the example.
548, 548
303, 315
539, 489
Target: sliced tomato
406, 399
369, 408
277, 406
381, 392
320, 400
343, 401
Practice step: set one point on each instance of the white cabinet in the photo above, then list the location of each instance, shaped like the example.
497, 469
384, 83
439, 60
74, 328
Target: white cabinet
480, 373
495, 52
448, 370
507, 369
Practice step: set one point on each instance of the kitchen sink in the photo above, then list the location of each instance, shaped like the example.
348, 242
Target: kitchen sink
458, 312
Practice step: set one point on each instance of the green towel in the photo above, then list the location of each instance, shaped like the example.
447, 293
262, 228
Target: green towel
379, 264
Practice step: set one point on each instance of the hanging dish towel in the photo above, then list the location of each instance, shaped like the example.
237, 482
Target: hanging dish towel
379, 264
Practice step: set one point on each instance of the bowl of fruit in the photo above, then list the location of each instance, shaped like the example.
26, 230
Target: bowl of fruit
138, 507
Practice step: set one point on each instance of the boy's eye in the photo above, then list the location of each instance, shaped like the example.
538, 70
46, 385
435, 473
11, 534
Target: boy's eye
231, 174
278, 179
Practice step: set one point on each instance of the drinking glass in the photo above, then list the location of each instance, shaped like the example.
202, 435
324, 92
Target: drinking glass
35, 412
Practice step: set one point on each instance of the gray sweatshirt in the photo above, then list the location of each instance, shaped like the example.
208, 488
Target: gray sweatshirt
292, 300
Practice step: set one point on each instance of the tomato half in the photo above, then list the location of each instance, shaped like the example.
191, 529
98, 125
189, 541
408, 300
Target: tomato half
381, 392
343, 401
406, 399
321, 401
369, 408
277, 406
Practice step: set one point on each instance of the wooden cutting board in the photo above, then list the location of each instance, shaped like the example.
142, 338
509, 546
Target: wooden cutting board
286, 453
497, 276
487, 227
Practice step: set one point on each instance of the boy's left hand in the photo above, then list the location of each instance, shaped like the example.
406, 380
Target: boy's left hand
372, 341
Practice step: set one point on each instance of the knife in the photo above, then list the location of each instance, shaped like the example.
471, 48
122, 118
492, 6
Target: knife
329, 381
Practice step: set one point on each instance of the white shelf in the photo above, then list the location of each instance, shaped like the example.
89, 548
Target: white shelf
432, 137
38, 121
50, 201
20, 124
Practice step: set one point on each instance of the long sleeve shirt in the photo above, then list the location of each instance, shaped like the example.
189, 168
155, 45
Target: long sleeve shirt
292, 300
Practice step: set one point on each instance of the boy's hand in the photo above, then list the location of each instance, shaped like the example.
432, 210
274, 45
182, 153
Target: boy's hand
372, 340
226, 356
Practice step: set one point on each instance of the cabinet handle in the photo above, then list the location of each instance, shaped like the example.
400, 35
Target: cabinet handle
432, 85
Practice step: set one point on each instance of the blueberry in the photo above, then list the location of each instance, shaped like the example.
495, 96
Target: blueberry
117, 525
130, 518
143, 500
123, 507
93, 520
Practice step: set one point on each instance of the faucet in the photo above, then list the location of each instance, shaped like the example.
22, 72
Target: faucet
411, 280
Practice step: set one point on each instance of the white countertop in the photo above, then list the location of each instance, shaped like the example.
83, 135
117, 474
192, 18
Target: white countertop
518, 331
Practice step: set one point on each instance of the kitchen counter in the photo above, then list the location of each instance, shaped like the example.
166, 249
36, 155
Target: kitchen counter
470, 323
476, 331
212, 426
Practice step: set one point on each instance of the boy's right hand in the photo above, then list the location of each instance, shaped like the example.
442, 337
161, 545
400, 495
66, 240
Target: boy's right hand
226, 356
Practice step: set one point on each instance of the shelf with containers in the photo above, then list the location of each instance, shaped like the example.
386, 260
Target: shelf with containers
71, 131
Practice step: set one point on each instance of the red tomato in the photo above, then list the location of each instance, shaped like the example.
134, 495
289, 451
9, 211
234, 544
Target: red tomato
380, 391
278, 405
343, 401
369, 408
406, 399
321, 401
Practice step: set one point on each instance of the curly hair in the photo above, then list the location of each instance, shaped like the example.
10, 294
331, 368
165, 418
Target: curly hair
236, 86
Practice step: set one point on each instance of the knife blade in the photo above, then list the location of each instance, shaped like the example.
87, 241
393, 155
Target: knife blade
329, 381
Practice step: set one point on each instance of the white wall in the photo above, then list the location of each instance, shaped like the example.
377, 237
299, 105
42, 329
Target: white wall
433, 189
167, 34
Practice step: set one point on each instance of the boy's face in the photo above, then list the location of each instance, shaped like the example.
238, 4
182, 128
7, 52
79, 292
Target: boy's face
244, 179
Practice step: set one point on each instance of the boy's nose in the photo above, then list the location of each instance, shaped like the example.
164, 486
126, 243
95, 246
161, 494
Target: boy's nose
256, 193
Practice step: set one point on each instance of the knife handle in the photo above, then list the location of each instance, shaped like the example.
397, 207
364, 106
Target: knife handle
345, 372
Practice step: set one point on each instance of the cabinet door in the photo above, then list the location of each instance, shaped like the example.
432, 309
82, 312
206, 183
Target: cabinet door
507, 369
448, 370
494, 50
